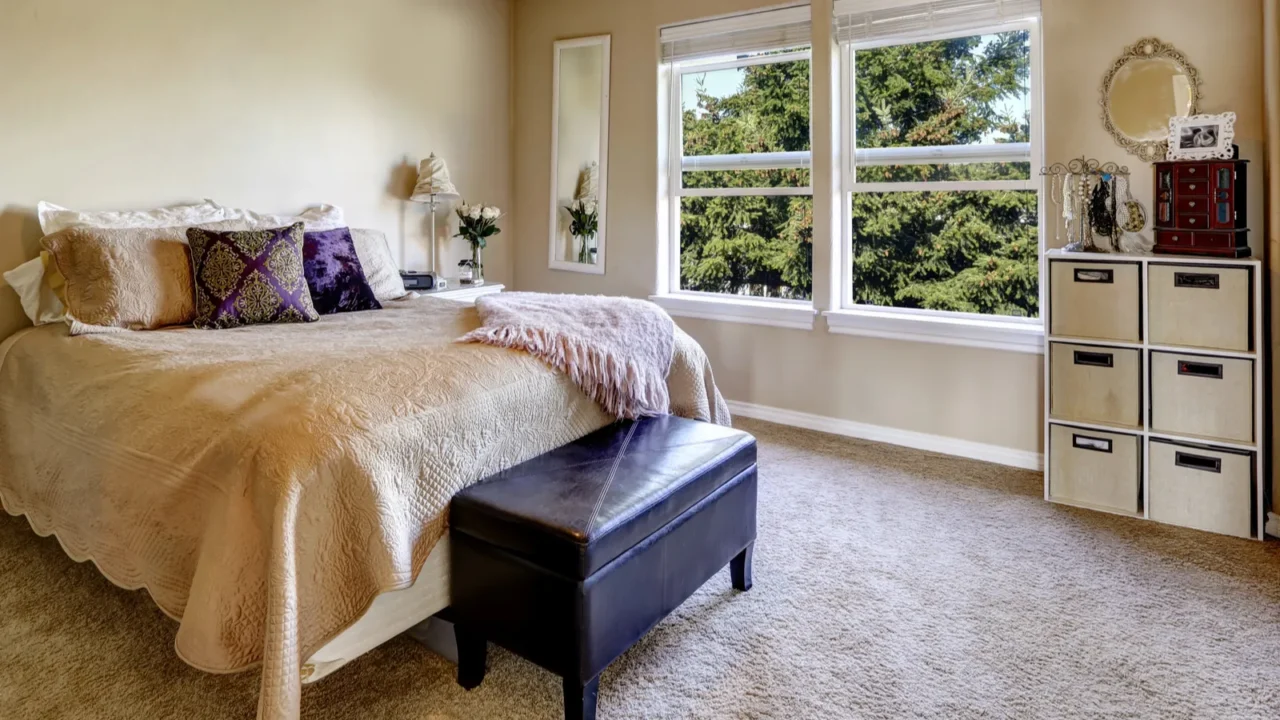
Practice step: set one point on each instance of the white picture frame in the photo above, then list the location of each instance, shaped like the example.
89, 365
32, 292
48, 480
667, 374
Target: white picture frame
1202, 137
558, 258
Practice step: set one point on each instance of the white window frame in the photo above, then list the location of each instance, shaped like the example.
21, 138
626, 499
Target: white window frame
999, 332
775, 312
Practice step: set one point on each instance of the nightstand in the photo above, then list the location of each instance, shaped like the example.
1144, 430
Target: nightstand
465, 293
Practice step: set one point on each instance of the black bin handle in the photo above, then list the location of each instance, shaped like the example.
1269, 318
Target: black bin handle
1203, 463
1086, 442
1101, 275
1095, 359
1203, 281
1190, 368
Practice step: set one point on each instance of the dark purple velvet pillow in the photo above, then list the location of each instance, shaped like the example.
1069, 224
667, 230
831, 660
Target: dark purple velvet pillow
249, 277
334, 273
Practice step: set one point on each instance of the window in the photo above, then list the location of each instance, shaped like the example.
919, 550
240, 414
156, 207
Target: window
738, 188
941, 205
746, 207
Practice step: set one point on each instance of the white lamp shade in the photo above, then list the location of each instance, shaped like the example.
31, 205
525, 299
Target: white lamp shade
433, 179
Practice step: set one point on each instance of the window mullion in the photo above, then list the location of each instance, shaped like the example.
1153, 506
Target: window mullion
943, 186
745, 192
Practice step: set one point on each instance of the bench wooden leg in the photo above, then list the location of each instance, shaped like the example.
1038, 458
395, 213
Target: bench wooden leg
740, 569
472, 653
580, 700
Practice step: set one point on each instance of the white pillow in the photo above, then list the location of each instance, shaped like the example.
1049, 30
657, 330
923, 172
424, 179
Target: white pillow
320, 217
54, 217
38, 299
380, 269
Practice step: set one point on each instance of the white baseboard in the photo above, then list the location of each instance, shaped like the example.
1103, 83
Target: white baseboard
894, 436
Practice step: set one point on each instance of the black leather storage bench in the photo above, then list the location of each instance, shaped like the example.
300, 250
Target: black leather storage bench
570, 558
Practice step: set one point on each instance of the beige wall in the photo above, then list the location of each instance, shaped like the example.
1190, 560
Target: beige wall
269, 104
1083, 37
978, 395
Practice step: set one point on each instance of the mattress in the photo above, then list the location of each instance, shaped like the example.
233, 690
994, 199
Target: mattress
268, 484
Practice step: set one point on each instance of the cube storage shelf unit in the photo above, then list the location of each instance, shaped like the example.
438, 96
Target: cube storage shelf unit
1154, 389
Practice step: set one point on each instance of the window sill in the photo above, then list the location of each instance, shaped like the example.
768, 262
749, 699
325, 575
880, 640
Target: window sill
941, 329
793, 314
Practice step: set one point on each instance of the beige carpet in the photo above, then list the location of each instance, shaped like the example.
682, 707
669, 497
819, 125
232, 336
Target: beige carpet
889, 583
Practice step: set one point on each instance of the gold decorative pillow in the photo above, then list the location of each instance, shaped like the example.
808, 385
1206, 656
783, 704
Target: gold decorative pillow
123, 279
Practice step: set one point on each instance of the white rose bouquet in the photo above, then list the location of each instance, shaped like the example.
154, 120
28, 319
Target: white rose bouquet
585, 225
478, 223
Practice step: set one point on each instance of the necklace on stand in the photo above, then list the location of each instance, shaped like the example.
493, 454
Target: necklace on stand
1068, 209
1099, 213
1055, 197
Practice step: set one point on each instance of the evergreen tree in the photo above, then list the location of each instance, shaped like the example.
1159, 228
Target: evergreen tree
962, 251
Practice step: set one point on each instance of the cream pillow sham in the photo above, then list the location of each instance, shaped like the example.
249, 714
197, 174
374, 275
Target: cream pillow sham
380, 269
38, 292
123, 278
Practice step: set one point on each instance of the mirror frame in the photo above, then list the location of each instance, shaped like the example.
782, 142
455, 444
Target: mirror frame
1146, 49
556, 261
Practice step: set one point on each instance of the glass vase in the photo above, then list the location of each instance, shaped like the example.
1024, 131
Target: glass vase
586, 254
477, 267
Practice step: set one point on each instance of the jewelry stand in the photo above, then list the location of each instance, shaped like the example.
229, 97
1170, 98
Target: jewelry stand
1085, 192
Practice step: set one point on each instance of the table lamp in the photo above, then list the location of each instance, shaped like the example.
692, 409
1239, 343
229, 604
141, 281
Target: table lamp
433, 187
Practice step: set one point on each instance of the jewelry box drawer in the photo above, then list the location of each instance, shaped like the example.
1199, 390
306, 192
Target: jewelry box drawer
1201, 487
1095, 300
1193, 205
1193, 221
1202, 396
1095, 469
1200, 306
1175, 238
1196, 187
1191, 171
1093, 384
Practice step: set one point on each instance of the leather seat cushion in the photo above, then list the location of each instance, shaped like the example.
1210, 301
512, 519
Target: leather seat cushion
576, 508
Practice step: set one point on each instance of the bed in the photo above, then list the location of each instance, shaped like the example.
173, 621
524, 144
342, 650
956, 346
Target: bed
281, 490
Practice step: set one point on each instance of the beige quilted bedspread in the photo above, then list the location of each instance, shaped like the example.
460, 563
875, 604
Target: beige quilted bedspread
264, 484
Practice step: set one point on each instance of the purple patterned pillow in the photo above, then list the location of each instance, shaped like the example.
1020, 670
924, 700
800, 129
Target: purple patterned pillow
334, 273
249, 277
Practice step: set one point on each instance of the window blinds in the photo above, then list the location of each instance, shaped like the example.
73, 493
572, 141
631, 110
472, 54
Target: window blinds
860, 21
738, 34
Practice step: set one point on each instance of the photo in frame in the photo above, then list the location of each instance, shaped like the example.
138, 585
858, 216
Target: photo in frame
1202, 137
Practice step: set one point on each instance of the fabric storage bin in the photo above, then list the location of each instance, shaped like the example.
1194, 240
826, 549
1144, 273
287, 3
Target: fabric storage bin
1095, 384
1100, 470
1200, 306
1095, 300
1202, 488
1202, 395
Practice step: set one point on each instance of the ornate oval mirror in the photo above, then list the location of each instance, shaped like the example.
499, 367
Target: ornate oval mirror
1148, 84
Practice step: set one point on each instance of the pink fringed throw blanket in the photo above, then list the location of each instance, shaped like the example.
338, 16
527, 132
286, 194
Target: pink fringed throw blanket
618, 350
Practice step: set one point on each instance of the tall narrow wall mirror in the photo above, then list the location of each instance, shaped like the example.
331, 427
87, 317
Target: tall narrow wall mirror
579, 154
